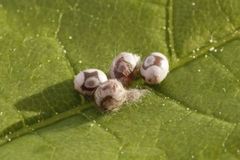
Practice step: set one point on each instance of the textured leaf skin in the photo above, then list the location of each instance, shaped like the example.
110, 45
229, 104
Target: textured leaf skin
193, 114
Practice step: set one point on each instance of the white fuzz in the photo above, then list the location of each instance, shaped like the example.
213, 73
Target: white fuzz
110, 95
134, 95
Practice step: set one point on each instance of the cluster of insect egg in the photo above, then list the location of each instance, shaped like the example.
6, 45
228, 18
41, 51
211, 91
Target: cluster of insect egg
110, 93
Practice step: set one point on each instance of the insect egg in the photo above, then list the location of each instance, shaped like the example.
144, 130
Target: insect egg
124, 67
110, 95
87, 81
155, 68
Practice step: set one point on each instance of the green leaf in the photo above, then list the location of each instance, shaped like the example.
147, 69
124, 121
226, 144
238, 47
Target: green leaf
193, 114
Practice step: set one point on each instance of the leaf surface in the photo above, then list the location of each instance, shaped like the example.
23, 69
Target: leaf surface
193, 114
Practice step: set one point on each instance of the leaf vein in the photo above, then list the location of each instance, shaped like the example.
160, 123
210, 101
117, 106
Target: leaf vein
188, 107
204, 50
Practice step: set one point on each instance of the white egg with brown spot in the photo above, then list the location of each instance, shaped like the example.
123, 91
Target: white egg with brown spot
155, 68
110, 95
124, 67
87, 81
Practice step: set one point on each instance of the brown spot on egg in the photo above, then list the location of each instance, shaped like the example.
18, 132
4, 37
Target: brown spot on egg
86, 76
88, 89
157, 62
90, 74
123, 71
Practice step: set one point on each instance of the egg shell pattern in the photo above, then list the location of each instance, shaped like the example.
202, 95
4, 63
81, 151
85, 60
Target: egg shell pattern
155, 68
87, 81
110, 95
124, 67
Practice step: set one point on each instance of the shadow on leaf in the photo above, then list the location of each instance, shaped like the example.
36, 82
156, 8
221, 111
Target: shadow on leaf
54, 99
53, 104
